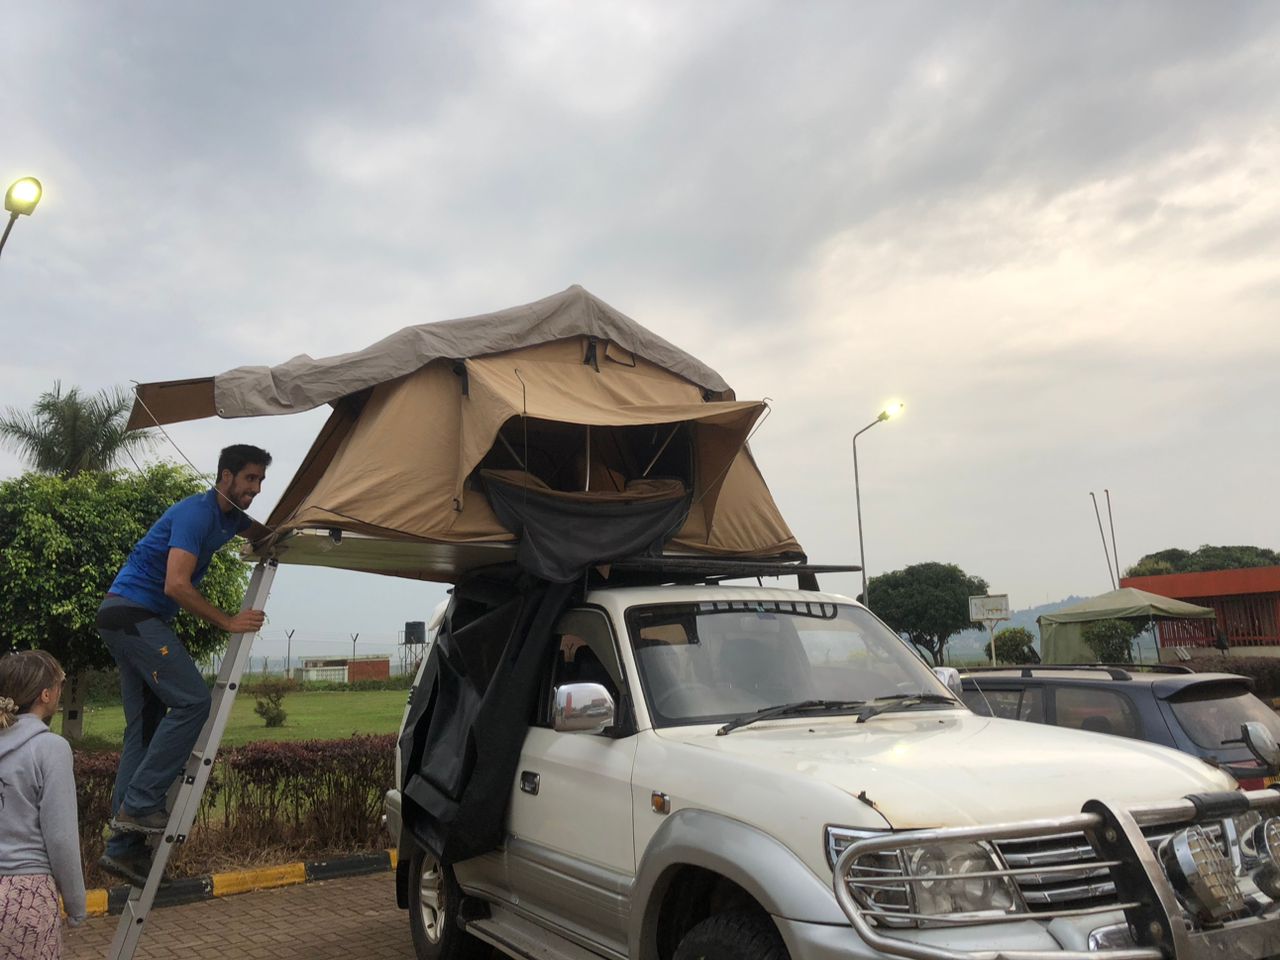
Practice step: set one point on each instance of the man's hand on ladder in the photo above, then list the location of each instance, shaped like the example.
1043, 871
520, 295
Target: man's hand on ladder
246, 621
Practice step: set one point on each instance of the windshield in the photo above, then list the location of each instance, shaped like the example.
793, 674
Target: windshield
1210, 715
707, 662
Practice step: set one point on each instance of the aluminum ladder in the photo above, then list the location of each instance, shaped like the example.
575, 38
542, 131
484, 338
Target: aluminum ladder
185, 803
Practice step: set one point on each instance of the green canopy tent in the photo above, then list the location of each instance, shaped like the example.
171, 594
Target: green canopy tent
1060, 632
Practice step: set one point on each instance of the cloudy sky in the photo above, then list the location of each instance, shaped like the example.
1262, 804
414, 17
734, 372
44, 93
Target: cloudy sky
1053, 230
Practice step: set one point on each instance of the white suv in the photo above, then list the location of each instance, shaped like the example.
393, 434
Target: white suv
721, 773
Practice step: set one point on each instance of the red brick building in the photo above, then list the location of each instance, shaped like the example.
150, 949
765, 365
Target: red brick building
1247, 602
345, 669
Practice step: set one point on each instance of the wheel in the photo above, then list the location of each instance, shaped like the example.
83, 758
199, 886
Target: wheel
733, 936
434, 897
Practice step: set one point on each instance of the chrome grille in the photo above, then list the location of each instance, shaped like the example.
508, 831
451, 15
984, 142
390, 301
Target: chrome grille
1090, 886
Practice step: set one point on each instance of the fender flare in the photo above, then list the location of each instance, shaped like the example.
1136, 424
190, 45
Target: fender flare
771, 873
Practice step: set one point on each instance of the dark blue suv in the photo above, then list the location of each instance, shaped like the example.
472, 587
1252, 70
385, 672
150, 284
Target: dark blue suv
1198, 713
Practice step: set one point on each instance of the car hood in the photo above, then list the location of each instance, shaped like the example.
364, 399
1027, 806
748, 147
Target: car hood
932, 768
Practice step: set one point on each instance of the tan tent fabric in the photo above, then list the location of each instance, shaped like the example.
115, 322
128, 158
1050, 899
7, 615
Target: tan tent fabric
417, 486
304, 383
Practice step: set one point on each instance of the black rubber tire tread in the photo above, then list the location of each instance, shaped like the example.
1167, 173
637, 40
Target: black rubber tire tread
733, 936
454, 944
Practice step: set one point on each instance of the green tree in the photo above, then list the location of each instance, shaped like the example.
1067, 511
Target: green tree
1014, 645
68, 433
1206, 558
1110, 640
929, 602
62, 541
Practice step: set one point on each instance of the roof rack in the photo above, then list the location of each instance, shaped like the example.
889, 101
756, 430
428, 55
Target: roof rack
1117, 671
711, 570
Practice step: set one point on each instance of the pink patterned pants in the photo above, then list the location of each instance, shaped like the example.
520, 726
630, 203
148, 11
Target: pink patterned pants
29, 918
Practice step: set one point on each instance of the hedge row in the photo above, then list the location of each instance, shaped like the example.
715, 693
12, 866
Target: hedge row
1263, 671
298, 799
103, 686
251, 682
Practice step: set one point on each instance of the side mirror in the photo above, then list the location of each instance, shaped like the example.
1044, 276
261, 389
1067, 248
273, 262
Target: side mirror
583, 708
951, 677
1261, 744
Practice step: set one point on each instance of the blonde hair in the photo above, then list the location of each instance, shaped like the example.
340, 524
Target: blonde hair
23, 677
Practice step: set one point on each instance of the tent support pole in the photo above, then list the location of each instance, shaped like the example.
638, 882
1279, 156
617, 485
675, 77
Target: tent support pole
671, 436
512, 450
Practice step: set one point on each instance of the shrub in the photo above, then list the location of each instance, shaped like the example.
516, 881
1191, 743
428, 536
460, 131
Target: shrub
301, 799
1014, 645
271, 693
1110, 640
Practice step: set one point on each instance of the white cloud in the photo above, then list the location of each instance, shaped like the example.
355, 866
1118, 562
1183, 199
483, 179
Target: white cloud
1051, 229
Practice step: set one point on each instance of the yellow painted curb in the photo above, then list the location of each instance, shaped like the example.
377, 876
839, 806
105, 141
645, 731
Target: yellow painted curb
226, 884
97, 901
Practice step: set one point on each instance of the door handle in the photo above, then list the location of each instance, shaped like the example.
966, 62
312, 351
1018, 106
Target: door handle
529, 782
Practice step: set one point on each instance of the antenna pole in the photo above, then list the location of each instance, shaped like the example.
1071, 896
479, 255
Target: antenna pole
1110, 573
1115, 554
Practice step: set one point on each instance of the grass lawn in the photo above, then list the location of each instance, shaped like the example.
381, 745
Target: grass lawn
320, 715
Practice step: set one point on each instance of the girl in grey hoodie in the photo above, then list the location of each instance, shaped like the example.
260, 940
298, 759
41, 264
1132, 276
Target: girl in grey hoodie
39, 834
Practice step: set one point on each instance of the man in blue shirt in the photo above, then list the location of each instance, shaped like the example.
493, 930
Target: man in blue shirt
166, 700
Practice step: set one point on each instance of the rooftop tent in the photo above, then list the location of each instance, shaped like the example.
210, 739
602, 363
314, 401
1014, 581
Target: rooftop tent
1060, 631
429, 424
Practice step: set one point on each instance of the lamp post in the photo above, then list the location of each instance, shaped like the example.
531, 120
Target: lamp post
20, 199
891, 410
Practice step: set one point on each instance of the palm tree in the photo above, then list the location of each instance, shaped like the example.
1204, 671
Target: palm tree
66, 433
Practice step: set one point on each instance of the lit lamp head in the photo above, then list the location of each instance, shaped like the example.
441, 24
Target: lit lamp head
1202, 875
890, 410
22, 196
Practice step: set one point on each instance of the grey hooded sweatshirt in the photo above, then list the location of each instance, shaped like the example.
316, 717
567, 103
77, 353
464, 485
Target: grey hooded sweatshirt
39, 833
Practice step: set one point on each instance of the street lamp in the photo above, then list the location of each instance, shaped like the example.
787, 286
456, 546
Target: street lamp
890, 410
20, 199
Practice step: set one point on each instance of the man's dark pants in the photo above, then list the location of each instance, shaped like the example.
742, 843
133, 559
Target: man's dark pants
166, 702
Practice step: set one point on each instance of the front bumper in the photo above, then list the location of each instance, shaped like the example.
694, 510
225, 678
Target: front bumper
1148, 921
818, 941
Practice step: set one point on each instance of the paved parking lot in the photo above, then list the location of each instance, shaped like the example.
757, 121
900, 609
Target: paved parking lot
339, 919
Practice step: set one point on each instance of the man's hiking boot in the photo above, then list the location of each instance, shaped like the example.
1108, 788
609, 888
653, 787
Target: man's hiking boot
140, 822
132, 867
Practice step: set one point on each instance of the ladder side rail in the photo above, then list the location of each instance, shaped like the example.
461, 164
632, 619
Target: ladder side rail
195, 775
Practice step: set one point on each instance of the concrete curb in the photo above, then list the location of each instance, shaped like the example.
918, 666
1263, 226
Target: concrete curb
110, 901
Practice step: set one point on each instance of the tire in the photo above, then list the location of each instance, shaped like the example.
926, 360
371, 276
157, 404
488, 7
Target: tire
733, 936
434, 897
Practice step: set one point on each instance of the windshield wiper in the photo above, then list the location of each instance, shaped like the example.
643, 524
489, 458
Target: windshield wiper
901, 701
782, 709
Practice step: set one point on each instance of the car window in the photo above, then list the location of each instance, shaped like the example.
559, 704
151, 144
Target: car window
584, 653
1101, 711
703, 662
1025, 704
1211, 715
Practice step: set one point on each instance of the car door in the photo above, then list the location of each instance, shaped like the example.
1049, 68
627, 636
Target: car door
570, 854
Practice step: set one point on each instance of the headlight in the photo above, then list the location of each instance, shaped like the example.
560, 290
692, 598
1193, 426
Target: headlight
934, 880
961, 879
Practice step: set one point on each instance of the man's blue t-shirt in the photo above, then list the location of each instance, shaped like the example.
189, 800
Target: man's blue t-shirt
196, 525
